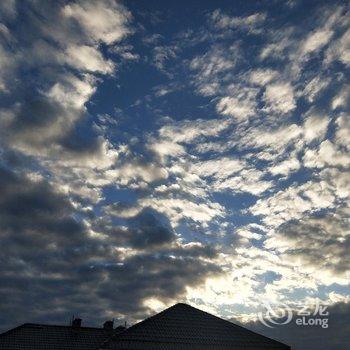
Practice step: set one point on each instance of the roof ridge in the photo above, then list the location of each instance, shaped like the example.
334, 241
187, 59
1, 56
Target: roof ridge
157, 315
60, 325
231, 323
49, 325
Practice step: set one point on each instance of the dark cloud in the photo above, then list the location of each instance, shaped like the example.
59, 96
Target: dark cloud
52, 267
336, 336
145, 230
320, 241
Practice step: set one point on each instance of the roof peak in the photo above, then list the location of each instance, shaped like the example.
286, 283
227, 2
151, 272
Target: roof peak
186, 324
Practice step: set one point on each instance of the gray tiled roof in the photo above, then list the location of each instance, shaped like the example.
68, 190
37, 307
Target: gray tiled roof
48, 337
184, 327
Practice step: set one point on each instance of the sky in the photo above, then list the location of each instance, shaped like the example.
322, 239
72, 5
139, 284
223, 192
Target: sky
153, 152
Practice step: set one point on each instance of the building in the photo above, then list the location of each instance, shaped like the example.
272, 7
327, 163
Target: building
31, 336
179, 327
183, 327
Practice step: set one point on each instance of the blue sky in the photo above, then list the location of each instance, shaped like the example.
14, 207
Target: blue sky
157, 151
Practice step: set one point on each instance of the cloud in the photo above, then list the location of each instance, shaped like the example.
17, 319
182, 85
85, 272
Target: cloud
262, 76
162, 54
250, 23
228, 183
90, 261
293, 202
318, 243
212, 67
342, 134
315, 41
104, 21
285, 167
313, 338
314, 87
279, 98
341, 99
240, 109
87, 58
326, 154
315, 127
187, 132
340, 50
220, 169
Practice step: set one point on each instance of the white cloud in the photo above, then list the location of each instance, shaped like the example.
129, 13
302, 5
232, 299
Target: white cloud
239, 108
125, 174
315, 87
189, 130
274, 141
262, 76
293, 202
315, 127
342, 98
220, 169
248, 180
342, 134
162, 54
339, 180
213, 67
326, 154
178, 209
103, 20
279, 98
72, 91
251, 22
285, 167
87, 58
340, 50
316, 41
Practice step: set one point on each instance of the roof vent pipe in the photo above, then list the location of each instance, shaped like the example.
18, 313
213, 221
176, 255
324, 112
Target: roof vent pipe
76, 322
108, 325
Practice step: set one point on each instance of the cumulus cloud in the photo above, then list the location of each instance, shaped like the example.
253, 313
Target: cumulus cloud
213, 67
72, 257
239, 108
87, 58
316, 41
315, 127
262, 76
279, 98
318, 243
104, 21
326, 154
340, 50
294, 201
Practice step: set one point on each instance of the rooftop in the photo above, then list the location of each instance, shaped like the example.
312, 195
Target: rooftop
31, 336
179, 327
185, 327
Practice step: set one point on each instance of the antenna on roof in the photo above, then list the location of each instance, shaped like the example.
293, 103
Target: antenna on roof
71, 321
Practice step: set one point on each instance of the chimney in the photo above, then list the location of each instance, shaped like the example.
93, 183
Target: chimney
108, 325
120, 329
76, 322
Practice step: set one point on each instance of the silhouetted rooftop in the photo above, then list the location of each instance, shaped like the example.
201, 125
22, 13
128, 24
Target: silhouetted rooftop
185, 327
31, 336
